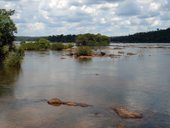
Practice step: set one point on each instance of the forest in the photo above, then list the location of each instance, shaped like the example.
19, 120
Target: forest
159, 36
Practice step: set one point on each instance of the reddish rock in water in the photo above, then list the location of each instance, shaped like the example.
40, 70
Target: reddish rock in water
120, 126
58, 102
69, 103
124, 113
55, 102
85, 57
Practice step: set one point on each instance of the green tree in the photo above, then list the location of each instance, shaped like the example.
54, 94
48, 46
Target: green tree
92, 40
7, 27
7, 30
42, 44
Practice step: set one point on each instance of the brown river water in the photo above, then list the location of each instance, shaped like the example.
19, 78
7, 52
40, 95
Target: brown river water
140, 82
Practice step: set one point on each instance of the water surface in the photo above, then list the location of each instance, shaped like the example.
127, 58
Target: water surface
139, 82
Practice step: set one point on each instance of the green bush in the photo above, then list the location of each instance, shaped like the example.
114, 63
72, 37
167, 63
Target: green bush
84, 51
68, 46
5, 49
29, 46
13, 59
57, 46
41, 44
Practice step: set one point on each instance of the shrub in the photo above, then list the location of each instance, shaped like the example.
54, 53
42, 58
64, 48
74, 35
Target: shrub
68, 46
5, 49
41, 44
13, 59
57, 46
84, 51
29, 46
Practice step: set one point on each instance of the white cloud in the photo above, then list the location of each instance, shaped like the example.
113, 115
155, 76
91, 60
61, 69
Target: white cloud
111, 17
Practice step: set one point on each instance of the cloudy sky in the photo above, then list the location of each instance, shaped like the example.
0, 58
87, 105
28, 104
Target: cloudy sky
110, 17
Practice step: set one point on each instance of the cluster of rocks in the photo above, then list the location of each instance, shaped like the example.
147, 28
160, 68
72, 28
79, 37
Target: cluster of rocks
120, 111
58, 102
99, 53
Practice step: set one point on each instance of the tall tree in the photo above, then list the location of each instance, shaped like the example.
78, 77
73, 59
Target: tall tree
7, 27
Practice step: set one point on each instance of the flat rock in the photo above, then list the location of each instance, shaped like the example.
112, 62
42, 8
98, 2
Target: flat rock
55, 102
58, 102
124, 113
85, 57
70, 103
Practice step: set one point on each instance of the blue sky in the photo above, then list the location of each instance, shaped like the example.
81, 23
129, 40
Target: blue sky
110, 17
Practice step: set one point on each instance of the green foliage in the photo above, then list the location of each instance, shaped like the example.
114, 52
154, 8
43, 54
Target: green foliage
92, 40
41, 44
29, 46
5, 49
22, 42
9, 54
66, 46
84, 51
57, 46
14, 58
7, 27
159, 36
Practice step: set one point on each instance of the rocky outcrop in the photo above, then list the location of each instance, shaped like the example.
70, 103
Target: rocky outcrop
58, 102
124, 113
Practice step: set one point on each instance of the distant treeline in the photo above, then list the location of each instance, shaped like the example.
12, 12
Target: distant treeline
62, 38
159, 36
55, 38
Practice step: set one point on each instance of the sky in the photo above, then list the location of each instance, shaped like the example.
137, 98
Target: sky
109, 17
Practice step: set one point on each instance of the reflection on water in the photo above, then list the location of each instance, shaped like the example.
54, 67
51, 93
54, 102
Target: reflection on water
8, 76
84, 61
139, 82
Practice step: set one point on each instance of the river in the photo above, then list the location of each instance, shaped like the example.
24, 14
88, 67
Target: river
140, 82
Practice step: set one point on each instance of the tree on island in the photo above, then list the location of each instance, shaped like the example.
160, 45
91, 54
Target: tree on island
92, 40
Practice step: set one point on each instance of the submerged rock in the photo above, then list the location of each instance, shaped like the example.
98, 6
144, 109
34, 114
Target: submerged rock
58, 102
121, 52
62, 58
102, 53
120, 126
55, 102
124, 113
130, 53
83, 105
85, 57
70, 103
